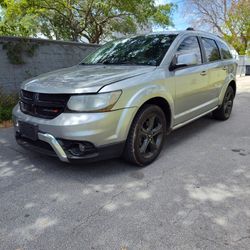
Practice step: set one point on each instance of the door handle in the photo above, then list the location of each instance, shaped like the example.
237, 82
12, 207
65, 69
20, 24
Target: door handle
204, 73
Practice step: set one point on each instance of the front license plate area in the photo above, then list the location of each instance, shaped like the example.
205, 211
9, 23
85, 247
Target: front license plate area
28, 130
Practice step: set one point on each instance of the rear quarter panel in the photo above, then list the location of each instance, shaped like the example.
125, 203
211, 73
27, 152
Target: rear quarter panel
231, 76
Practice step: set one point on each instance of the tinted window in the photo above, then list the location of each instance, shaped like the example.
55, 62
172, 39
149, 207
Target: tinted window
141, 50
225, 52
190, 45
211, 50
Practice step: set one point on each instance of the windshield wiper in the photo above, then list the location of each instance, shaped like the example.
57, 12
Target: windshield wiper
117, 63
123, 63
89, 64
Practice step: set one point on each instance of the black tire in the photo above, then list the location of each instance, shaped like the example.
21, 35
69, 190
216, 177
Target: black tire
146, 136
224, 111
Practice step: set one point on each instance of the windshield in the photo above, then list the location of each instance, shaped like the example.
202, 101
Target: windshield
140, 50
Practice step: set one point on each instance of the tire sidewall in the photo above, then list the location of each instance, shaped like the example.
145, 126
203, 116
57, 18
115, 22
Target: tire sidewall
152, 109
229, 89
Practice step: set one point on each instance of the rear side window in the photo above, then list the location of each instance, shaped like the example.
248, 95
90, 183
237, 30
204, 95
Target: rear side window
211, 49
225, 52
190, 45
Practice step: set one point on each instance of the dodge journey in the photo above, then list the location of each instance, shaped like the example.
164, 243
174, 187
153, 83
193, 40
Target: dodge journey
123, 99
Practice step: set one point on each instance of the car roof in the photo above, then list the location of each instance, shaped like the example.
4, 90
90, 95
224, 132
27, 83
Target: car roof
177, 32
190, 32
183, 32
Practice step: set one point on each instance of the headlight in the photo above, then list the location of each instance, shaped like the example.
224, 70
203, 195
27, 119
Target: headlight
94, 102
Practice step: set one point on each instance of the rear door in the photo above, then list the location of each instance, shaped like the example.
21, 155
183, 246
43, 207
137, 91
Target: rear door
229, 65
217, 71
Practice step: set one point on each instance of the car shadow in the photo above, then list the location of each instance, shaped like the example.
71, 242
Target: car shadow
19, 156
182, 134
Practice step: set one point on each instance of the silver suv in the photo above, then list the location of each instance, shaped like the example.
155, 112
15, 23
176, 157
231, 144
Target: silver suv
125, 97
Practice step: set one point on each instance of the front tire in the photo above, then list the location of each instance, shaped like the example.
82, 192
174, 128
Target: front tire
224, 111
146, 136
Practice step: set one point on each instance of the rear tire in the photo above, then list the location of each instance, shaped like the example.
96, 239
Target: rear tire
146, 136
224, 111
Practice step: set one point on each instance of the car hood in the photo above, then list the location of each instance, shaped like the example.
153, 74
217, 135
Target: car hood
83, 78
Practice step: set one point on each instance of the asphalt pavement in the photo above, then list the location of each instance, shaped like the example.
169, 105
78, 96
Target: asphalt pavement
195, 196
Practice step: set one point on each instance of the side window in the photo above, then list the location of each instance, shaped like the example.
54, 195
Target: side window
211, 49
226, 54
190, 45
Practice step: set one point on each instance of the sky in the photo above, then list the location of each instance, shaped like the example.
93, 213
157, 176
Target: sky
178, 20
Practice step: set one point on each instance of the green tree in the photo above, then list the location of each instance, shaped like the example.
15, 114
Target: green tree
75, 19
238, 26
16, 19
229, 18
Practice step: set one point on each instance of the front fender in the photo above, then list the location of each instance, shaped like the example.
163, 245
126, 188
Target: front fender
149, 92
136, 101
141, 89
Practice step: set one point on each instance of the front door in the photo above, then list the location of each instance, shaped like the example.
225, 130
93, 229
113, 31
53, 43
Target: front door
193, 95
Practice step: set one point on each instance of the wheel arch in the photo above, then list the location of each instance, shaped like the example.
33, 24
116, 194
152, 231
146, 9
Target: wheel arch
164, 105
231, 83
129, 154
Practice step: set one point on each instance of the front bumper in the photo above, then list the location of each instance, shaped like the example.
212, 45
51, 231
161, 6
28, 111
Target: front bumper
52, 144
107, 132
49, 145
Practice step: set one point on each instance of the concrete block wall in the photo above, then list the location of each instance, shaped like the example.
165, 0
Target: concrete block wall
49, 55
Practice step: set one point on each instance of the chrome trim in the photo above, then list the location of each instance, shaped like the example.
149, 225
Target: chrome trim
55, 145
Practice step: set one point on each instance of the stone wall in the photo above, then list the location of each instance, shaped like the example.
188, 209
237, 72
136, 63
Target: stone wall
47, 55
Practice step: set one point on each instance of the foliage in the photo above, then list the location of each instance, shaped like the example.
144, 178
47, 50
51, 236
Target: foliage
16, 50
7, 103
230, 18
17, 19
75, 19
238, 24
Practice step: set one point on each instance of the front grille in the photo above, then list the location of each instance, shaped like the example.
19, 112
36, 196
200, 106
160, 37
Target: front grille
47, 106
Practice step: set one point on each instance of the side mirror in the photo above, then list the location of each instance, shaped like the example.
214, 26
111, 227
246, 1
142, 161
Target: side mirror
187, 59
184, 60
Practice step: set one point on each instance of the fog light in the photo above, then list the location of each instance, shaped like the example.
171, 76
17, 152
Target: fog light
82, 147
16, 124
77, 149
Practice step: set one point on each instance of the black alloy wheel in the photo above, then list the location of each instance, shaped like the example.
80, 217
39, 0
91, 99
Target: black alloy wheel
225, 110
146, 136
